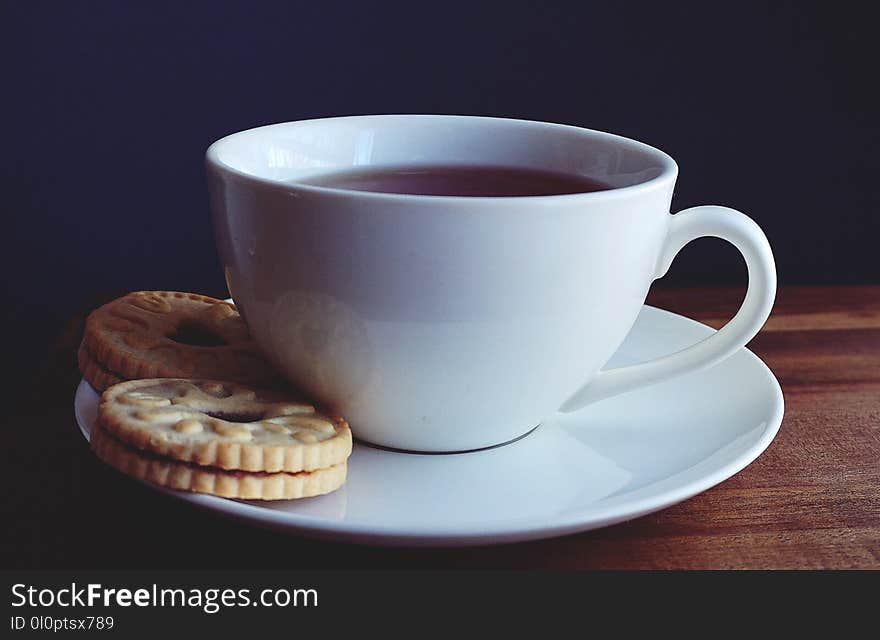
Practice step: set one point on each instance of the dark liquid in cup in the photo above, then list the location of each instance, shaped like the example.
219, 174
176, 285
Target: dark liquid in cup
459, 181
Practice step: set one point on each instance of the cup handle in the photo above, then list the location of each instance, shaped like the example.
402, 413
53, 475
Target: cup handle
742, 232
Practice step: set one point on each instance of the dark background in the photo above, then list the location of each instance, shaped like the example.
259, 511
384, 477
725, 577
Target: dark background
107, 108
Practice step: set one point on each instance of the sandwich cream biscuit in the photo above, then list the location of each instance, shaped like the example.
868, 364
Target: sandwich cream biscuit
150, 334
183, 476
223, 424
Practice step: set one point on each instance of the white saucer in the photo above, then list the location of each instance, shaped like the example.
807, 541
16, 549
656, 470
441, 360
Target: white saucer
615, 460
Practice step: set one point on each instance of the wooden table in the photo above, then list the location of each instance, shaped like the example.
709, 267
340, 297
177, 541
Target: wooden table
812, 500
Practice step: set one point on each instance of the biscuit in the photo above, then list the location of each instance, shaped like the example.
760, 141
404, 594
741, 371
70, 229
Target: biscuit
97, 376
223, 424
228, 484
167, 334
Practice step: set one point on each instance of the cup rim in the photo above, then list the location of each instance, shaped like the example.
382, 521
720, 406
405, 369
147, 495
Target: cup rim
669, 168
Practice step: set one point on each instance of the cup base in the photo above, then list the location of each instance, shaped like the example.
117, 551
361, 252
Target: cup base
443, 453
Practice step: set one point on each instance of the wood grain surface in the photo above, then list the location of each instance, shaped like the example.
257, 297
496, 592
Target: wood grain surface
812, 500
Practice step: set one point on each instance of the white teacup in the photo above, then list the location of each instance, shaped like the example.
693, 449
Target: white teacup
445, 323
